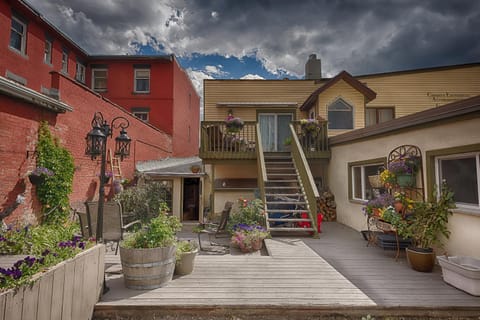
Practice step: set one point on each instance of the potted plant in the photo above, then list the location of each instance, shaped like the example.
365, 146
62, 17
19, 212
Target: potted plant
249, 238
185, 257
426, 227
404, 171
233, 124
39, 175
148, 255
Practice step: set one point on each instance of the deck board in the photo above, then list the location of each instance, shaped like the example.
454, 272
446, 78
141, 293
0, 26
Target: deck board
337, 270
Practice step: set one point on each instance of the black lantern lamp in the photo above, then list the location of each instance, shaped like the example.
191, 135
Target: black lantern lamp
97, 146
122, 145
95, 139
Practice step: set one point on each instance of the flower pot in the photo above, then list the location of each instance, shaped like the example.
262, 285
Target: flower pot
419, 259
257, 245
36, 180
184, 265
195, 169
405, 180
145, 269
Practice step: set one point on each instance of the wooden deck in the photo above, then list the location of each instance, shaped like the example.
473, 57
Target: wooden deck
336, 274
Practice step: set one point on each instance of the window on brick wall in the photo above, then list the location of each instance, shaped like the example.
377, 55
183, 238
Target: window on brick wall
65, 61
142, 80
47, 56
18, 34
80, 72
99, 79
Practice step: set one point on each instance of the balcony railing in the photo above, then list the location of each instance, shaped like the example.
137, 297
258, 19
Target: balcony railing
219, 142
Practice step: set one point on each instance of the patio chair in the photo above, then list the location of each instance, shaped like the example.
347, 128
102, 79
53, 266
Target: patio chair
215, 138
84, 225
113, 227
216, 229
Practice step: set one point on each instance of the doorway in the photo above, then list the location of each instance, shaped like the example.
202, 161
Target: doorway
274, 128
191, 196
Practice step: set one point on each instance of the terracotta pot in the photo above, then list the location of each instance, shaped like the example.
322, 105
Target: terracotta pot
422, 260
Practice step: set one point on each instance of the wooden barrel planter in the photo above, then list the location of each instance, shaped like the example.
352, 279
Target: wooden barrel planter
145, 269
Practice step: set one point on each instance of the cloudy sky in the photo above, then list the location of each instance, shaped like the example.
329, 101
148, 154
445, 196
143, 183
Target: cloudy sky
272, 39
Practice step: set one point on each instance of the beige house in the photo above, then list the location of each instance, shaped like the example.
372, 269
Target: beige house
240, 163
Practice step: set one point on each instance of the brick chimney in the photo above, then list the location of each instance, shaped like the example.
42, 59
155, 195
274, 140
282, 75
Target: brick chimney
313, 68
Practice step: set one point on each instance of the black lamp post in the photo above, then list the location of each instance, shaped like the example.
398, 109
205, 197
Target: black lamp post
97, 146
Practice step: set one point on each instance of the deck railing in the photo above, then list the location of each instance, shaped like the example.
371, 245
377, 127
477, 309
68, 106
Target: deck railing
219, 142
313, 137
306, 178
261, 169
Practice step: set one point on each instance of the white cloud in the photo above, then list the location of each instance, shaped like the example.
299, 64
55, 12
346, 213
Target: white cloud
215, 70
252, 77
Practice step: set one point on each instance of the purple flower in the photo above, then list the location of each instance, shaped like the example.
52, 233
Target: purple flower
42, 171
45, 252
81, 245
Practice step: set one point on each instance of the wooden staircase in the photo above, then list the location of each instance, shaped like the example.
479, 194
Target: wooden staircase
284, 195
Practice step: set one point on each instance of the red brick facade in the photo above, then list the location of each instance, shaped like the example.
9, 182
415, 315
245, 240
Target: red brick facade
172, 131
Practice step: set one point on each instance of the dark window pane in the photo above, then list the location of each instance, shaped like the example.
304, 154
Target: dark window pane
142, 85
16, 40
385, 115
370, 117
461, 177
370, 170
357, 182
340, 120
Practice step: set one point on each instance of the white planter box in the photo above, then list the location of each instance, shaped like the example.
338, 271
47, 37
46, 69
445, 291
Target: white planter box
68, 290
461, 272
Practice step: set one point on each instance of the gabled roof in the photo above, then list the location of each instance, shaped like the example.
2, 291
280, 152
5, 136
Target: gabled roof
469, 108
348, 78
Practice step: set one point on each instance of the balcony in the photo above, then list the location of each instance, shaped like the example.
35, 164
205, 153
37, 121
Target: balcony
217, 142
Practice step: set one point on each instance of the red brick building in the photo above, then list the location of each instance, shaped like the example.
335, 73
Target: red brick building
45, 76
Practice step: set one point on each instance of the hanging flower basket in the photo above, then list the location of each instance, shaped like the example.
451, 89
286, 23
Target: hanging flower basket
36, 180
405, 180
375, 181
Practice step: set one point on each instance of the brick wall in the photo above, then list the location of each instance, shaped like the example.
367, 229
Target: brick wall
19, 123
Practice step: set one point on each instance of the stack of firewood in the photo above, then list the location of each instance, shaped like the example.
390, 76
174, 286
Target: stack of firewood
327, 206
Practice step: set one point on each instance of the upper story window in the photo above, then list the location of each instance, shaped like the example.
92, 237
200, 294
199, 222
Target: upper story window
378, 115
462, 174
65, 61
80, 72
142, 80
47, 56
99, 79
361, 189
18, 35
340, 115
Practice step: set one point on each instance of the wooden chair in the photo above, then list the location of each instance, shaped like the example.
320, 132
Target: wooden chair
113, 227
84, 225
215, 138
216, 229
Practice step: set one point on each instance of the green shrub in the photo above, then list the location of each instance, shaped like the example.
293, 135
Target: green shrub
145, 201
160, 232
54, 191
247, 212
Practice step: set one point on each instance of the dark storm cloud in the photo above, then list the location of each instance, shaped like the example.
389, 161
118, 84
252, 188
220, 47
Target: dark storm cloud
358, 36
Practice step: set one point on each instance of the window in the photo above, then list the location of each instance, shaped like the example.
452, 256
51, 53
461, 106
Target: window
378, 115
47, 57
462, 174
18, 35
99, 79
166, 192
65, 61
80, 72
360, 184
142, 115
340, 115
142, 80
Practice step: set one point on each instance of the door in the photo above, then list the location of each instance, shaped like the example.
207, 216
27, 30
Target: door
191, 199
274, 129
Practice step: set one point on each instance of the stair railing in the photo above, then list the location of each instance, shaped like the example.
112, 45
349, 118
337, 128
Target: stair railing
306, 178
261, 170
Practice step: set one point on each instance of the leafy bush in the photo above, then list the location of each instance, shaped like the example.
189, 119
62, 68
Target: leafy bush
145, 201
54, 191
160, 232
248, 212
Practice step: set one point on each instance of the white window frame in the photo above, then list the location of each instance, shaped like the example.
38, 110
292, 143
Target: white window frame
139, 115
94, 71
80, 72
135, 78
47, 57
64, 61
438, 176
363, 178
23, 42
